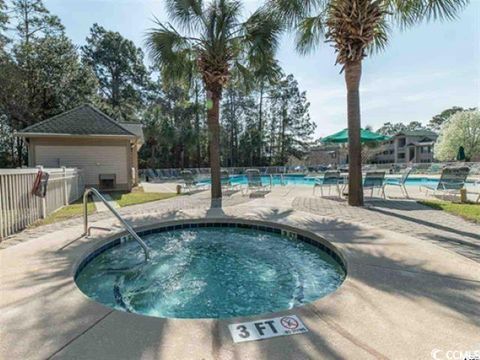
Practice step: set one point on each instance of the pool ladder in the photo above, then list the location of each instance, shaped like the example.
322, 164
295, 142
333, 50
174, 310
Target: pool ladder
116, 214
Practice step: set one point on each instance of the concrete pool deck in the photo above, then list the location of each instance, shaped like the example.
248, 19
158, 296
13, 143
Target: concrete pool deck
404, 295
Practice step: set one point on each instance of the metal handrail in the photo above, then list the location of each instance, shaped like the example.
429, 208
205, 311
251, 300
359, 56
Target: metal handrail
116, 214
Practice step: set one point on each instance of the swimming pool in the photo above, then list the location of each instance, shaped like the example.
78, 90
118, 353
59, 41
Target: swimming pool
293, 179
212, 270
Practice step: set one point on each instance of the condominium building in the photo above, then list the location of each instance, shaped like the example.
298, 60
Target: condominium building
414, 146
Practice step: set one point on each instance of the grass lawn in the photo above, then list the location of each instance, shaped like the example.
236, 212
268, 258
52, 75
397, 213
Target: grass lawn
67, 212
139, 197
468, 211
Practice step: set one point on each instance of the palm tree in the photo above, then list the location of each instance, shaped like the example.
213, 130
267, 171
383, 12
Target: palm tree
264, 75
355, 28
214, 35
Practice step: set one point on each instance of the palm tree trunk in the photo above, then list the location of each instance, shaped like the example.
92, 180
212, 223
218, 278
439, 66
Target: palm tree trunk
353, 73
213, 115
260, 125
282, 136
232, 128
197, 126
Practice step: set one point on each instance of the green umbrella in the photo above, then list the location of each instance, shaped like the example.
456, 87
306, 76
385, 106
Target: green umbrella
365, 136
461, 154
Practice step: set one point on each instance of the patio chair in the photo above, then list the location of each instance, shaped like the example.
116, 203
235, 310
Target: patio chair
226, 181
434, 169
254, 181
190, 183
330, 178
375, 180
150, 175
158, 173
477, 184
401, 181
451, 181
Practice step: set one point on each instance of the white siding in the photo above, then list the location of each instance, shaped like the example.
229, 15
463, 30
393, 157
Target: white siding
94, 160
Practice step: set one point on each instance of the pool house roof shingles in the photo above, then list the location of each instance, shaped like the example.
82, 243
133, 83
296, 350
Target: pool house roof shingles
84, 120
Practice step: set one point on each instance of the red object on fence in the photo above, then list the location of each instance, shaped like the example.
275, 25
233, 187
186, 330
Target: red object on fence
40, 184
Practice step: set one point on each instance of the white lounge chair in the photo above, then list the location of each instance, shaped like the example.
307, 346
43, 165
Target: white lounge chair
401, 181
375, 180
254, 182
226, 181
330, 178
451, 181
190, 183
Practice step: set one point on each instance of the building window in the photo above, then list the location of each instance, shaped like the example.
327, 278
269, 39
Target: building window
401, 155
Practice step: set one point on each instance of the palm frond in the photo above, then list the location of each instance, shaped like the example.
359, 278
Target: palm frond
310, 32
268, 71
222, 43
442, 9
380, 37
229, 13
410, 12
244, 75
292, 12
403, 12
188, 14
171, 51
261, 34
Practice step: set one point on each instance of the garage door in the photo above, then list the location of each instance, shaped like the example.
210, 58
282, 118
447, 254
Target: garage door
94, 160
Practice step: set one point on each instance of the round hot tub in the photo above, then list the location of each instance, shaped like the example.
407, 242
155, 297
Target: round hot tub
211, 270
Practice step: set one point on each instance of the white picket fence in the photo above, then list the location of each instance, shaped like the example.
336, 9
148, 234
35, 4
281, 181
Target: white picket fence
20, 208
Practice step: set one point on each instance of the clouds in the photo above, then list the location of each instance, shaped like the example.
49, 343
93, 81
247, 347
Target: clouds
423, 71
400, 97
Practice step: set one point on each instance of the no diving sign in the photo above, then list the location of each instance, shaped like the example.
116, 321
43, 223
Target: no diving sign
267, 328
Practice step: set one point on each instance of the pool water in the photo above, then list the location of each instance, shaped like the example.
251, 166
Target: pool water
213, 272
310, 180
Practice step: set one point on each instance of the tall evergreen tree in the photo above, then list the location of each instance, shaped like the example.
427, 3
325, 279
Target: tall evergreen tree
42, 76
119, 68
438, 120
238, 121
294, 127
265, 75
3, 28
392, 129
170, 131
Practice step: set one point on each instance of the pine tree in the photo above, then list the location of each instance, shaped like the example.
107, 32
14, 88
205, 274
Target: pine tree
119, 68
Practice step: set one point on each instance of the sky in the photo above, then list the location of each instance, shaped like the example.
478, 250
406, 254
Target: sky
424, 70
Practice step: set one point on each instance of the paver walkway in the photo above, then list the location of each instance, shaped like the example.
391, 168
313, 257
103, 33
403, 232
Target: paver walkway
399, 215
405, 217
197, 200
404, 296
